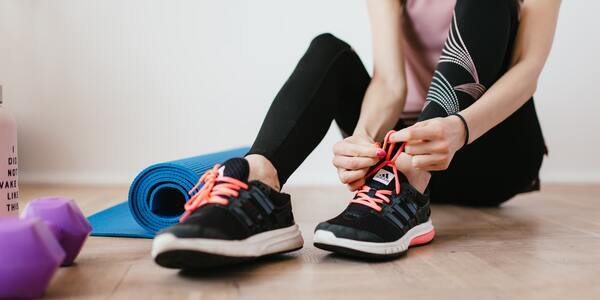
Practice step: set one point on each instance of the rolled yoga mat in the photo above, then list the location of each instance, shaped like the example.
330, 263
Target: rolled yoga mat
157, 196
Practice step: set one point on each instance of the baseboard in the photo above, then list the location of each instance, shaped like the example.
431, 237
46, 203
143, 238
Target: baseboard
589, 177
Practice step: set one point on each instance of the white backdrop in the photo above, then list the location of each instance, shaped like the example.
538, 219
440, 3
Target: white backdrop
101, 89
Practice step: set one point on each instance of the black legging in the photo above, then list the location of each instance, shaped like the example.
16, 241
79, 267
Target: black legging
330, 81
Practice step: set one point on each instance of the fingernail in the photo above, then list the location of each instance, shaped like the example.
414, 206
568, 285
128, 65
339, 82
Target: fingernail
380, 153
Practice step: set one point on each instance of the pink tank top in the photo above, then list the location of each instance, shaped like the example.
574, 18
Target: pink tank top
426, 26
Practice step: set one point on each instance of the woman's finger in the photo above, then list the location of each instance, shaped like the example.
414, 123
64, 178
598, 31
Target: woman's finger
348, 176
421, 148
424, 161
355, 185
438, 167
344, 148
427, 131
353, 163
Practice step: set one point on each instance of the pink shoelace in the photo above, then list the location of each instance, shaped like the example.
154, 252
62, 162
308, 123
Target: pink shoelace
211, 192
381, 196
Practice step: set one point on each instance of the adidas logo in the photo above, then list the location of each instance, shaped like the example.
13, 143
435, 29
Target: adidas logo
383, 176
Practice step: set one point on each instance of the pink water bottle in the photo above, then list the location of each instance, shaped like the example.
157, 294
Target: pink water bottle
9, 183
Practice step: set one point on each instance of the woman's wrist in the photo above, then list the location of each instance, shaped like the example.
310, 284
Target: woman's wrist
458, 131
465, 127
381, 109
376, 123
367, 133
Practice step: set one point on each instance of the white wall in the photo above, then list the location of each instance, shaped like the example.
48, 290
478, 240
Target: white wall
104, 88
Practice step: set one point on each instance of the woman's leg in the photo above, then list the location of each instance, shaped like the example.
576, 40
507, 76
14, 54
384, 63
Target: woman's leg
328, 84
504, 161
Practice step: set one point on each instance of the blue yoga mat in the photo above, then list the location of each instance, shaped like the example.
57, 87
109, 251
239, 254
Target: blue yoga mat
157, 196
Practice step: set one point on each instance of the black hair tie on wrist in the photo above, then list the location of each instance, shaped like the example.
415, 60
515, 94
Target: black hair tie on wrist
466, 127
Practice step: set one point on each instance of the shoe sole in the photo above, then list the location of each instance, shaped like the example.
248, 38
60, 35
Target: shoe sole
170, 251
419, 235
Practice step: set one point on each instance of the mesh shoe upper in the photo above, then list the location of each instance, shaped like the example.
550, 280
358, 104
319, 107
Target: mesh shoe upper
254, 208
384, 210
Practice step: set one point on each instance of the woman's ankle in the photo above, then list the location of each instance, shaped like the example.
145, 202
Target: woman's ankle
419, 179
263, 170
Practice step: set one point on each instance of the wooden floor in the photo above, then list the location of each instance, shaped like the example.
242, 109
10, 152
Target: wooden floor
538, 246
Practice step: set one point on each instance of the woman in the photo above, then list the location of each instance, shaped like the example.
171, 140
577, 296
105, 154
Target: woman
464, 70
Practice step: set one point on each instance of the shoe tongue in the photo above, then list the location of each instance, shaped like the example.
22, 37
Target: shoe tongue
235, 168
384, 179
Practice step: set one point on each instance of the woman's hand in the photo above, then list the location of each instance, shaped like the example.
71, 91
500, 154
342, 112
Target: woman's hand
353, 156
432, 143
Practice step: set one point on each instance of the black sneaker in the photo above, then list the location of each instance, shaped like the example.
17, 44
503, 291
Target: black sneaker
385, 218
229, 220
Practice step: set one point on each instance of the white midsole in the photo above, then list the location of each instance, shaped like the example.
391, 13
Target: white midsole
400, 245
274, 241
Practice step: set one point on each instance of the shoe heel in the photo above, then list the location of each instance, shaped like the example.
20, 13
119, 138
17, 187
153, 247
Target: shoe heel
423, 238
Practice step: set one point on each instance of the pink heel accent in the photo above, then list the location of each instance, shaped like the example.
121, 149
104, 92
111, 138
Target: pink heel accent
423, 238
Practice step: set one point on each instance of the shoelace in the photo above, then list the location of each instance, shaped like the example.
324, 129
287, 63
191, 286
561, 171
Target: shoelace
211, 192
380, 196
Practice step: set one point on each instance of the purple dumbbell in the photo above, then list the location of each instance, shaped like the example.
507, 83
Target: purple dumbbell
29, 256
64, 219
